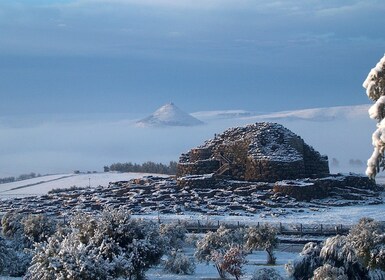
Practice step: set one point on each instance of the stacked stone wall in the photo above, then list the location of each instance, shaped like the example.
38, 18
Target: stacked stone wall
322, 187
271, 171
197, 182
199, 154
315, 164
199, 167
300, 191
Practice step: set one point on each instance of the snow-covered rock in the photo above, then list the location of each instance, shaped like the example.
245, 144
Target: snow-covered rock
169, 115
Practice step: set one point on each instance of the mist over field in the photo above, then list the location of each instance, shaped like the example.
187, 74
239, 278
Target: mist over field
63, 144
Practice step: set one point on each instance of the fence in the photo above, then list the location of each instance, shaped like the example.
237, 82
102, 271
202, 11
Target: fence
286, 229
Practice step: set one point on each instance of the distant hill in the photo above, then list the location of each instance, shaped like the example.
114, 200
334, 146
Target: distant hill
169, 115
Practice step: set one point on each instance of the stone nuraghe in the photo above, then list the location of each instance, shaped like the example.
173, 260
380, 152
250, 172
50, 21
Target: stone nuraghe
263, 151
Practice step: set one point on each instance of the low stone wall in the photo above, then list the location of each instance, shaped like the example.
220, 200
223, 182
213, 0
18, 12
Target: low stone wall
308, 189
301, 191
197, 168
197, 182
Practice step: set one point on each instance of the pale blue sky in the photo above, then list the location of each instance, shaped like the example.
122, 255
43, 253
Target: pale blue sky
131, 56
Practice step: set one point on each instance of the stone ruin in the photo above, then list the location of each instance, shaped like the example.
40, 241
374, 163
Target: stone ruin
268, 155
266, 152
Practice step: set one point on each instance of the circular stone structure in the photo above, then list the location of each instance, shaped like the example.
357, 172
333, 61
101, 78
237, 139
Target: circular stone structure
263, 151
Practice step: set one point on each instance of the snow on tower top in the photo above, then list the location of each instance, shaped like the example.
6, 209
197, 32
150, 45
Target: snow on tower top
268, 141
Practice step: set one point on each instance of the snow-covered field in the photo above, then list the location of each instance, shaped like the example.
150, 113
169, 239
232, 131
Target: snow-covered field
41, 185
255, 261
329, 215
334, 215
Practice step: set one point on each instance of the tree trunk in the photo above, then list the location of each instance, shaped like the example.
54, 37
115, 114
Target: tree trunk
270, 256
220, 271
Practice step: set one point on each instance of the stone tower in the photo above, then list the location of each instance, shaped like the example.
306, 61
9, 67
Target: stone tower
259, 152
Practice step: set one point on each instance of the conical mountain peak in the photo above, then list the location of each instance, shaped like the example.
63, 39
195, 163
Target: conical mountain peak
169, 115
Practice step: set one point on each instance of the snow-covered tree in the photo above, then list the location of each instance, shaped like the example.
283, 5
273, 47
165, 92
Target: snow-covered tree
214, 246
266, 274
11, 225
359, 255
328, 272
179, 263
27, 229
368, 240
232, 261
38, 228
105, 246
375, 89
308, 260
263, 237
3, 254
22, 232
174, 235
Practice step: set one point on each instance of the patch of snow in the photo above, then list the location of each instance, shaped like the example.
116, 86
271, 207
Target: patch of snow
42, 185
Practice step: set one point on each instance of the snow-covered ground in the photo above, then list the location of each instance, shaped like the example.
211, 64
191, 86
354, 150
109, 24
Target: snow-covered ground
41, 185
255, 261
329, 215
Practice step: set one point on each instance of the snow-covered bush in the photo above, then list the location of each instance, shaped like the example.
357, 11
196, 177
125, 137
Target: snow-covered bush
105, 246
12, 261
11, 225
375, 89
368, 240
27, 229
179, 263
263, 237
192, 239
22, 231
3, 254
376, 274
174, 235
359, 255
306, 263
266, 274
214, 246
38, 228
328, 272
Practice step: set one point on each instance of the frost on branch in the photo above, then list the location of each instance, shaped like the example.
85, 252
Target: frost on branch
375, 89
98, 246
329, 272
174, 235
359, 255
263, 237
266, 274
306, 263
375, 82
179, 263
223, 248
